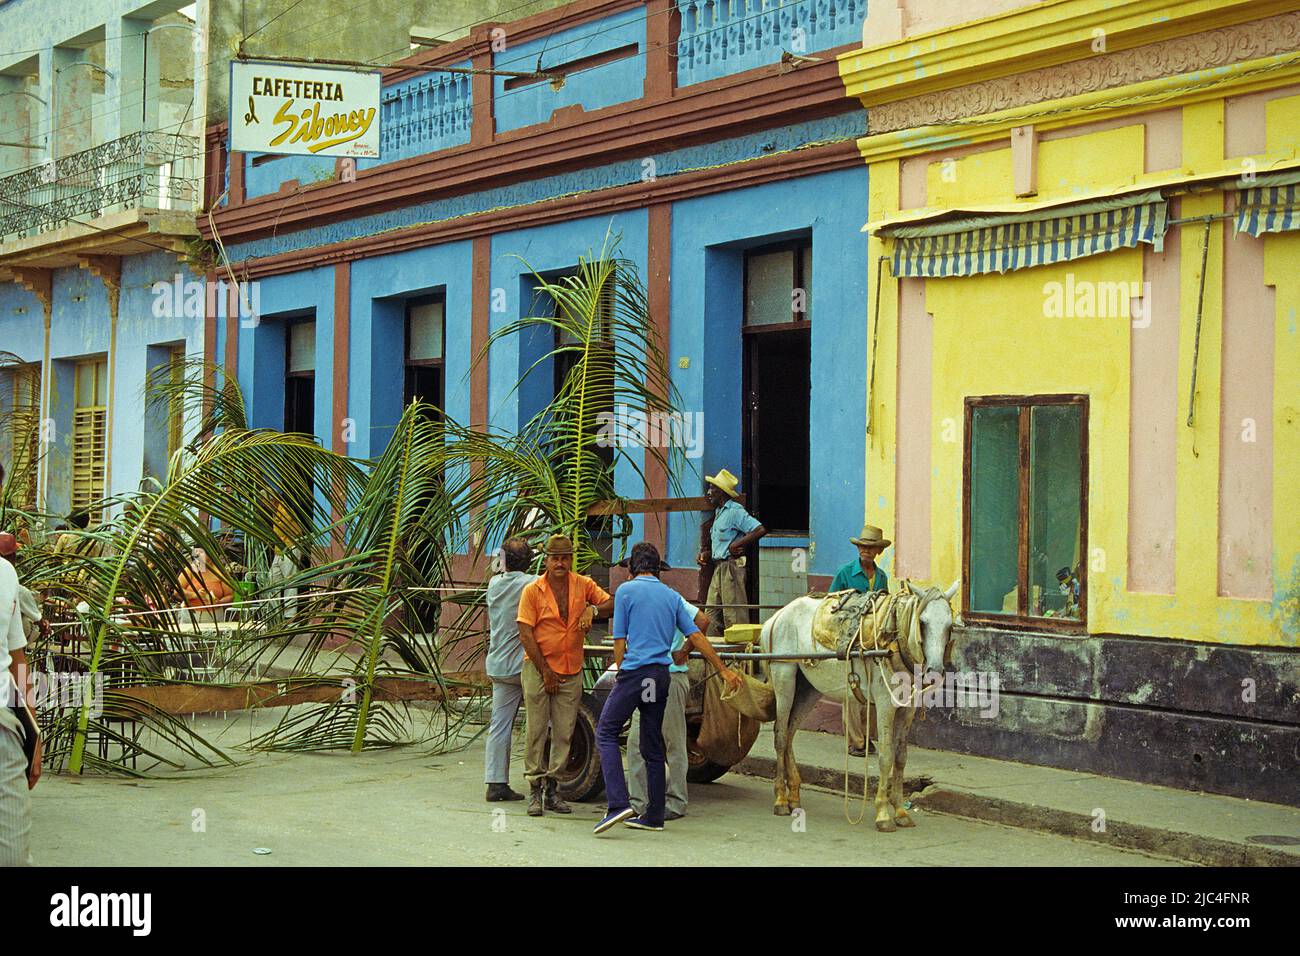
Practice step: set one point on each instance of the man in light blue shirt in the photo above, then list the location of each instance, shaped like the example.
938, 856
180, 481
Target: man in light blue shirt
674, 730
732, 531
505, 660
647, 616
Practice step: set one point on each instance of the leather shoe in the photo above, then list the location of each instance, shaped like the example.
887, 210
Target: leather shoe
498, 792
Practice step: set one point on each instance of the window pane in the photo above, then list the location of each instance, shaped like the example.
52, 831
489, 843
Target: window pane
768, 288
1055, 492
101, 383
425, 342
85, 384
994, 508
302, 347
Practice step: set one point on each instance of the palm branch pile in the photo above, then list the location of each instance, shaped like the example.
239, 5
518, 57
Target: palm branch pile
337, 573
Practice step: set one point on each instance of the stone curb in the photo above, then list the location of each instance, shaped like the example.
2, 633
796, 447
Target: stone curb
927, 795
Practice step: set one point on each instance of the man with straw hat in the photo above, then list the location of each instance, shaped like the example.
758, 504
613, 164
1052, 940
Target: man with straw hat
731, 533
555, 613
862, 575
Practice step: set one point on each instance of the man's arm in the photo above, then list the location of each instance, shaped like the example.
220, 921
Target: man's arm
620, 648
595, 607
549, 679
18, 672
741, 544
701, 643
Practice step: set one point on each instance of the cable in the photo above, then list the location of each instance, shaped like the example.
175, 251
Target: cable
248, 36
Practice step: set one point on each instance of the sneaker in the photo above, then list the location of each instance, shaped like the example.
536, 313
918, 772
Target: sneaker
672, 815
498, 792
613, 818
857, 752
637, 823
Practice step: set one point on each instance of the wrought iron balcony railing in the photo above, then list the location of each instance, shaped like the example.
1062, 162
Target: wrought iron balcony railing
142, 170
721, 37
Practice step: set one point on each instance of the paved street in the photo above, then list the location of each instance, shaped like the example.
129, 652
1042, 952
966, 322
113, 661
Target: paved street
407, 808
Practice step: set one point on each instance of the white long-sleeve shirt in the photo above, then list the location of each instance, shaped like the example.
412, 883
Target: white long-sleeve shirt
12, 636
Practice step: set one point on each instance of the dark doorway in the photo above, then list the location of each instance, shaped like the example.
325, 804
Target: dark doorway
300, 378
300, 410
778, 362
425, 338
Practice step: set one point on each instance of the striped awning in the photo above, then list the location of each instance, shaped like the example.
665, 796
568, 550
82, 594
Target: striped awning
1005, 242
1269, 204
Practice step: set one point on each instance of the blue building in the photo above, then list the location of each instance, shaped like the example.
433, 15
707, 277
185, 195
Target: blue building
715, 139
100, 172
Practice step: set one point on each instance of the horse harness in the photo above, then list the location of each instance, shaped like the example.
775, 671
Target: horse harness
893, 622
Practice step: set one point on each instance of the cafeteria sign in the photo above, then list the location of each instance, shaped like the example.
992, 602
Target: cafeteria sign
303, 110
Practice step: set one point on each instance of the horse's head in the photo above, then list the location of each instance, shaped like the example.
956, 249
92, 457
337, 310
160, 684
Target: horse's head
936, 627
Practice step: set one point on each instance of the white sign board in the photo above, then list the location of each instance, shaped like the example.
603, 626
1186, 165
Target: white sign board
303, 110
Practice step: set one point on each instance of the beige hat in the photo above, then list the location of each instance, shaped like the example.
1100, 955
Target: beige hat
724, 481
872, 537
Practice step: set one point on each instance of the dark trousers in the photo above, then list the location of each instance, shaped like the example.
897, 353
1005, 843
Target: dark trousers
644, 689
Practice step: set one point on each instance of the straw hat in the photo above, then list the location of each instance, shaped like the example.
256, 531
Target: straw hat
725, 481
872, 537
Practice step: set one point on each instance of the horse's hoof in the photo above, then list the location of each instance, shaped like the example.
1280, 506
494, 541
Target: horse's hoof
903, 820
781, 810
886, 826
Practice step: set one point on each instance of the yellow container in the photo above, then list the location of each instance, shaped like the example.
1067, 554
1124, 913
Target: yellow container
742, 634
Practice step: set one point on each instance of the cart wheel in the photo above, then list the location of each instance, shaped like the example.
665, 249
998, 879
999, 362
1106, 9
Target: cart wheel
581, 779
699, 768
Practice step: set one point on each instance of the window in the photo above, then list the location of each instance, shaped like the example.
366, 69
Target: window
425, 338
89, 438
176, 407
300, 378
1025, 510
25, 432
778, 355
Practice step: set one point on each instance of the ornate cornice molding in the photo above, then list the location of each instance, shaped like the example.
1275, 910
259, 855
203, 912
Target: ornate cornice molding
1214, 48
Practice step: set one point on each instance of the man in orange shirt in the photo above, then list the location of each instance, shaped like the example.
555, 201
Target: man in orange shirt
555, 613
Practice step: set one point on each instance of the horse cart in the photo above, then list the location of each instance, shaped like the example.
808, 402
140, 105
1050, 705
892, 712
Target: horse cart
581, 779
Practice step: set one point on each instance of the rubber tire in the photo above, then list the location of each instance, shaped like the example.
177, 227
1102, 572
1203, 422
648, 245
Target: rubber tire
699, 768
581, 780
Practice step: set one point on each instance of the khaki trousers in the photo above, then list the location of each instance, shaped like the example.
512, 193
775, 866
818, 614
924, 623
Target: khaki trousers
727, 586
559, 712
855, 726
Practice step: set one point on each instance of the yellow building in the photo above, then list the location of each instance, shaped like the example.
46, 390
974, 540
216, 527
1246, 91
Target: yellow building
1085, 371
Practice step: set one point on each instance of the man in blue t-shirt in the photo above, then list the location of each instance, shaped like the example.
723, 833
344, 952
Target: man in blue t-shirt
647, 616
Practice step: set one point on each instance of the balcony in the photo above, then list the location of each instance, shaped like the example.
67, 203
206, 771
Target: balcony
721, 37
119, 181
424, 115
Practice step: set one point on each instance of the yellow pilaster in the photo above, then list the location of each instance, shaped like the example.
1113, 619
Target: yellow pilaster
880, 506
1197, 473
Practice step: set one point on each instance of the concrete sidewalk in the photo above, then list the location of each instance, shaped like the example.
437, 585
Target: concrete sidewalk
1200, 828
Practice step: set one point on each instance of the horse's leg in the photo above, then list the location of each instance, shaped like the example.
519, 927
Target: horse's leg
902, 725
805, 699
884, 750
784, 683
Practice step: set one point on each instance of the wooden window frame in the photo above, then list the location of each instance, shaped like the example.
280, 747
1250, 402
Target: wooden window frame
97, 416
1022, 619
798, 320
409, 304
25, 428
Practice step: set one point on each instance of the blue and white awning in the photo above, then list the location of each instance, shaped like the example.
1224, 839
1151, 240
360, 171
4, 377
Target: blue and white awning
1270, 204
1005, 242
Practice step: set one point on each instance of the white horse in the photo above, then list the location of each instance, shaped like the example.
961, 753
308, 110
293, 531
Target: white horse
799, 684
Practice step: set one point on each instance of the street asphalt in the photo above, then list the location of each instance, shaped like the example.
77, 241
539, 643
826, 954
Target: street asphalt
407, 807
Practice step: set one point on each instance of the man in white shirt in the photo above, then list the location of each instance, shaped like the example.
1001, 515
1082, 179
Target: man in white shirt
15, 781
505, 661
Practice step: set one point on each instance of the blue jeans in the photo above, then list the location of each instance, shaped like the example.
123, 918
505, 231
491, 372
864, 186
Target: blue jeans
646, 690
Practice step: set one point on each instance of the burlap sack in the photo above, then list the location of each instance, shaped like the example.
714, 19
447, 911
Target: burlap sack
754, 698
725, 734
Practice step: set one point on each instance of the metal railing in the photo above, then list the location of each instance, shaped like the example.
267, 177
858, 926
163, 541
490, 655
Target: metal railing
721, 37
141, 170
